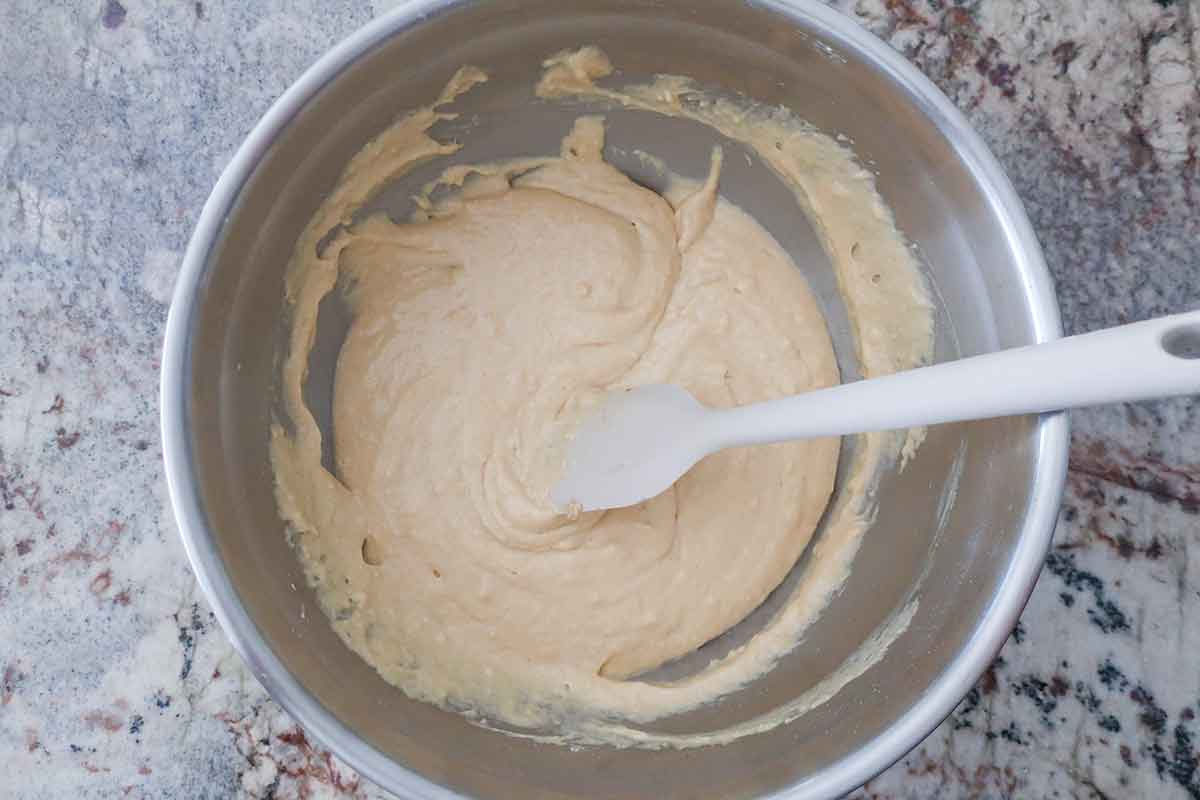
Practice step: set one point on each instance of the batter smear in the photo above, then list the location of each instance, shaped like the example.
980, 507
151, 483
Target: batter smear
482, 329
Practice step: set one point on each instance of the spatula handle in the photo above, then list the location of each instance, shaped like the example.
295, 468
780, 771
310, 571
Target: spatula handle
1139, 361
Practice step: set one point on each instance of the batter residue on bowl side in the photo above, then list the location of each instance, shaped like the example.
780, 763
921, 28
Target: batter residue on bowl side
480, 330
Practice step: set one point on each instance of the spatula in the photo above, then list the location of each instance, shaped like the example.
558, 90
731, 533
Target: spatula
638, 442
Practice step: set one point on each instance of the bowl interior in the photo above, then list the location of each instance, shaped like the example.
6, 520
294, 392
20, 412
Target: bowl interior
948, 527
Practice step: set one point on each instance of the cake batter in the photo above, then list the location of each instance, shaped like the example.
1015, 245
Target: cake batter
482, 330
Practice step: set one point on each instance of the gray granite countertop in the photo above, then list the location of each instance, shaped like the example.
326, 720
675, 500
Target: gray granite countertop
116, 117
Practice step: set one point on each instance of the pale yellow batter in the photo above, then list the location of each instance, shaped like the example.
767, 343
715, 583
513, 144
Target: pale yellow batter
479, 332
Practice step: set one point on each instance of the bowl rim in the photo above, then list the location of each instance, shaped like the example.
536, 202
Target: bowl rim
843, 775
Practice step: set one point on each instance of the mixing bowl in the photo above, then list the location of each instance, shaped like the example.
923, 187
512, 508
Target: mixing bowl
961, 531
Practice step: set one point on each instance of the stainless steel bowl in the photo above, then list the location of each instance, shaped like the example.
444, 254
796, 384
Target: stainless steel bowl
969, 558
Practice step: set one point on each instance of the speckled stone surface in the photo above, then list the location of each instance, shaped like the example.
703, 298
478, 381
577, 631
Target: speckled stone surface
115, 119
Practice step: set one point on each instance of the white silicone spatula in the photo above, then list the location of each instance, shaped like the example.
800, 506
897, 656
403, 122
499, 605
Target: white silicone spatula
639, 442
